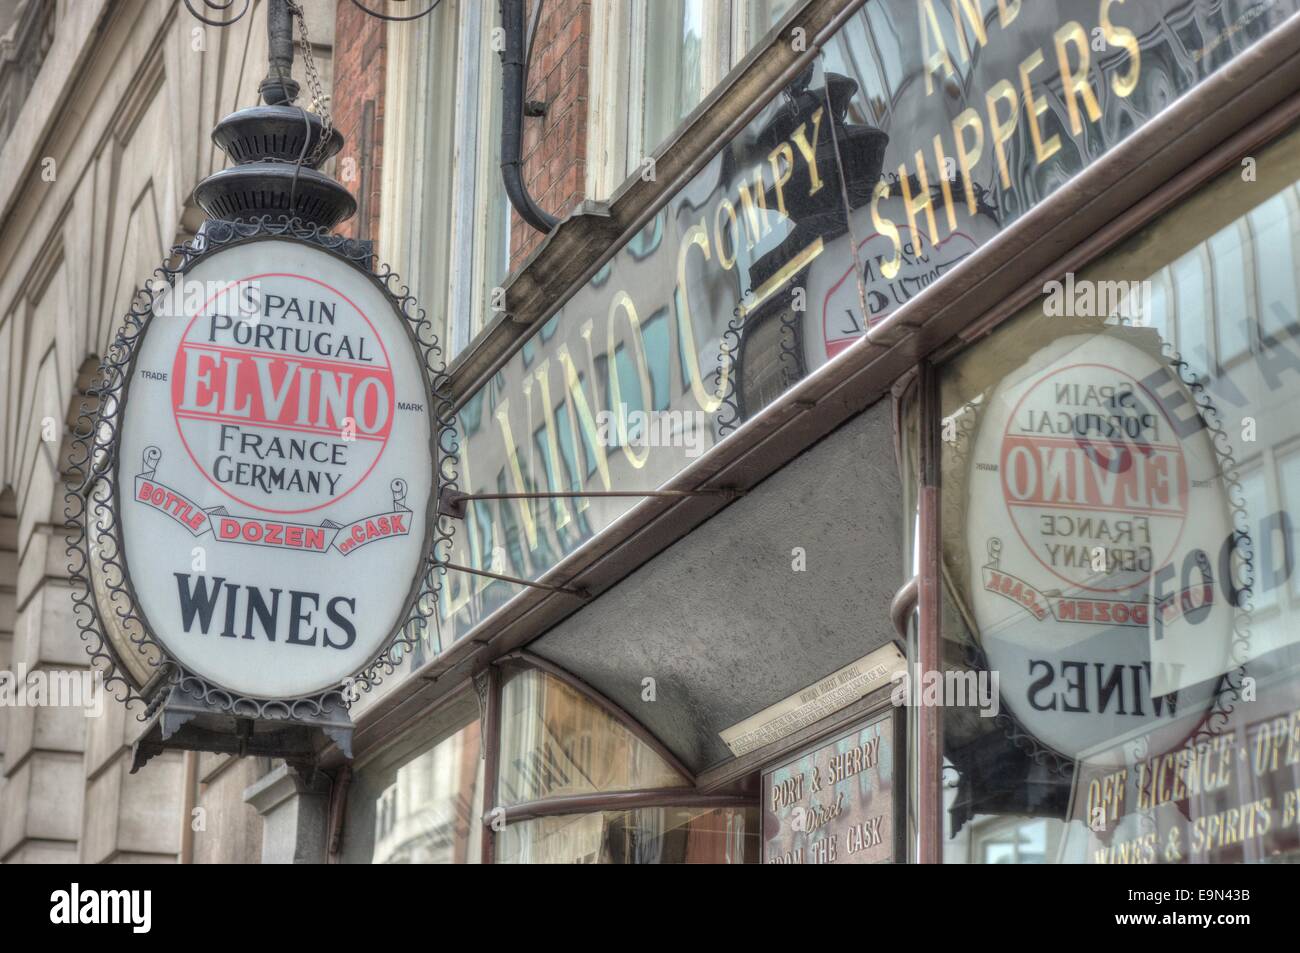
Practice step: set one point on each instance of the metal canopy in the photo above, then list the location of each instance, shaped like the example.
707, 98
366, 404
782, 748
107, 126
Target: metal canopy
721, 620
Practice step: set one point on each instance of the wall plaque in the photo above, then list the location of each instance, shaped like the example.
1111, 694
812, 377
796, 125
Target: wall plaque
836, 802
827, 696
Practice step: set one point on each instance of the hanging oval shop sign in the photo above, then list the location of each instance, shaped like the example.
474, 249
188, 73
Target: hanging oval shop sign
273, 465
1102, 548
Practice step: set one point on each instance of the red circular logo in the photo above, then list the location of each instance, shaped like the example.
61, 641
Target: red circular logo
1094, 477
282, 392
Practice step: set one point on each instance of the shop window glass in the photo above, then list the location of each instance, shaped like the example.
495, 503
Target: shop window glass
568, 451
662, 59
507, 513
556, 742
554, 473
1157, 308
1289, 484
780, 269
564, 423
675, 51
1273, 224
891, 47
655, 336
626, 416
1189, 273
849, 54
446, 219
765, 14
1255, 493
1119, 553
471, 414
683, 361
421, 803
485, 529
1027, 842
653, 835
1227, 250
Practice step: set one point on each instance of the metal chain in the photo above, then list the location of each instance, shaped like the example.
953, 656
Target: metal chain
320, 102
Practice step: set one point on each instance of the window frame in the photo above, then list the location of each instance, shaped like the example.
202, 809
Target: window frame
491, 685
439, 181
615, 142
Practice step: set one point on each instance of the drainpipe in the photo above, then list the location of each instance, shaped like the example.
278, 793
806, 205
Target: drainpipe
929, 650
189, 798
337, 812
513, 78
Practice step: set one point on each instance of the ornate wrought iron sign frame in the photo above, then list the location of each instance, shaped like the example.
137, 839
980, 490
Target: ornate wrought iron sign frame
95, 539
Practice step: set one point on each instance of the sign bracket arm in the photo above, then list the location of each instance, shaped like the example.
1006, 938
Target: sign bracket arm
453, 503
568, 590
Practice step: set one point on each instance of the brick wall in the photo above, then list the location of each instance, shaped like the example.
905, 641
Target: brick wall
555, 146
357, 105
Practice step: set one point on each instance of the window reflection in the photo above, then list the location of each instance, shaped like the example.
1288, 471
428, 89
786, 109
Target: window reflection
655, 835
1227, 253
1275, 263
1147, 639
765, 14
556, 742
1016, 842
1193, 332
423, 802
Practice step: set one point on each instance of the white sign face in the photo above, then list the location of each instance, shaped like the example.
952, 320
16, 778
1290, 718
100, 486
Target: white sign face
1097, 527
276, 467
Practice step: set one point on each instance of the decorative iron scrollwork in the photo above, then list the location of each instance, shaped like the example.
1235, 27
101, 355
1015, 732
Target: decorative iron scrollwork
221, 5
396, 19
104, 601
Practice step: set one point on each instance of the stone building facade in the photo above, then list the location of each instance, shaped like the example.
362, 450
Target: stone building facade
105, 112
